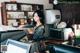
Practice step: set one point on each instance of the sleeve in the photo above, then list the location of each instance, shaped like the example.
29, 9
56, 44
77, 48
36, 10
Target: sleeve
41, 33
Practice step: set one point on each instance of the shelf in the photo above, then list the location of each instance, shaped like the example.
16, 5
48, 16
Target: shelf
15, 18
18, 11
14, 11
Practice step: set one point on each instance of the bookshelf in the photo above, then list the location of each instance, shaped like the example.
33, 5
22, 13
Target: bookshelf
16, 14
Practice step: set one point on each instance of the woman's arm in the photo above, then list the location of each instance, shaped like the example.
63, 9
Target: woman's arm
30, 30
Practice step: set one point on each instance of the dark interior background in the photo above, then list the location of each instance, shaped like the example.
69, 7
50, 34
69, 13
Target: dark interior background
70, 12
51, 1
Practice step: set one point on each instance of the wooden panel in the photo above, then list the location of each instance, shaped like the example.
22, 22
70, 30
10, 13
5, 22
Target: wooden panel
50, 1
3, 13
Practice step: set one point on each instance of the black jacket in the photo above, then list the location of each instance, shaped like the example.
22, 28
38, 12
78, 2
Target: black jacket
39, 33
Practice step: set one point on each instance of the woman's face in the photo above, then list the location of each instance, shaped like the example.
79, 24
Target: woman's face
36, 17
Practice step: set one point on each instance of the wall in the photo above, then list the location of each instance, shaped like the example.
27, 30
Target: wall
70, 12
44, 2
0, 17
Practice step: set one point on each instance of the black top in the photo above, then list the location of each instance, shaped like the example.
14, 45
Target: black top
39, 33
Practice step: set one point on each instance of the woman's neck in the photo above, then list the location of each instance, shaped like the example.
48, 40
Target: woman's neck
38, 23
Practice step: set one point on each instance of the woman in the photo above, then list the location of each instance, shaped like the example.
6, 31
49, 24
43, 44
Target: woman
38, 29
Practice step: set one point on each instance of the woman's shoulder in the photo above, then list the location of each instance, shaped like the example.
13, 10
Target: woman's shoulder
40, 27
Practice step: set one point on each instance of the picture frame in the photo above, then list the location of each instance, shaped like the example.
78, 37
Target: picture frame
16, 15
26, 7
30, 14
11, 6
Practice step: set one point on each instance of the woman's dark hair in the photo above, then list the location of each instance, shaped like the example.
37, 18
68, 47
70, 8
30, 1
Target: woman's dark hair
40, 14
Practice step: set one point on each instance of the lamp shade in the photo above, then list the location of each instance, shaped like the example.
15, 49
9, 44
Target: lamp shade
55, 2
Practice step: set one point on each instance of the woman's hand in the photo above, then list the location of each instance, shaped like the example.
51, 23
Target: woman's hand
30, 30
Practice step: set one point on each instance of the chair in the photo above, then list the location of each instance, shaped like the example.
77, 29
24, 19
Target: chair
14, 46
60, 48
